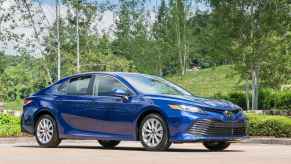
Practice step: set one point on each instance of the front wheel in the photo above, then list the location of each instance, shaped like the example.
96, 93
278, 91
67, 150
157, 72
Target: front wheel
108, 144
153, 133
216, 146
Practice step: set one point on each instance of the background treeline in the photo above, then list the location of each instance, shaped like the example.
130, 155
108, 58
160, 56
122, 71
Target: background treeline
161, 37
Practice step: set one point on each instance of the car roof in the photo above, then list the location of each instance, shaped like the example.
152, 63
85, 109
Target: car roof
108, 73
121, 74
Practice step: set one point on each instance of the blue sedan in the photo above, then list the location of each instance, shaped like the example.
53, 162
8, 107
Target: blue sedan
113, 107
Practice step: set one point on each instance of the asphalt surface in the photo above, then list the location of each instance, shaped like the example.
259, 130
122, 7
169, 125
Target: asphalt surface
76, 152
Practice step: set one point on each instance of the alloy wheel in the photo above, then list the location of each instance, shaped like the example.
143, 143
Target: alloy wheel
152, 132
45, 131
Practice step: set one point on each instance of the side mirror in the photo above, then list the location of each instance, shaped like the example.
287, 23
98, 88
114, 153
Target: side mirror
120, 93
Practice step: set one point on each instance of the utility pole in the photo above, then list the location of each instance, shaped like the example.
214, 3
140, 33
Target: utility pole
78, 38
58, 37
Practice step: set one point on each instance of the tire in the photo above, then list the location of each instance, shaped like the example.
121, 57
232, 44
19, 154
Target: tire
216, 146
154, 138
46, 132
108, 144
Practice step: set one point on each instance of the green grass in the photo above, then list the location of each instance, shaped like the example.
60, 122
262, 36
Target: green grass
210, 81
9, 126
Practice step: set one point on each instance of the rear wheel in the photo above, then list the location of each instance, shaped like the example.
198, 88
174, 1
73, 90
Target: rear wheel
108, 144
216, 146
153, 133
46, 133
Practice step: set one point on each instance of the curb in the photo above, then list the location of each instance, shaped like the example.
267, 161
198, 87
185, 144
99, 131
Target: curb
12, 140
268, 140
253, 140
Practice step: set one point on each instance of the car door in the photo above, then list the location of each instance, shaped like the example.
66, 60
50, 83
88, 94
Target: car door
120, 114
79, 112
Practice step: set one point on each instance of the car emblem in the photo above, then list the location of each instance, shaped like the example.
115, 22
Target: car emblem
228, 114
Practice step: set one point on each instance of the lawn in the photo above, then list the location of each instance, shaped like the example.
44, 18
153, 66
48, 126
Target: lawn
210, 81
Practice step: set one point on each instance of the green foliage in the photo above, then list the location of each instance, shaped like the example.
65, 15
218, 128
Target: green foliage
9, 126
265, 125
234, 97
283, 100
252, 35
268, 99
21, 79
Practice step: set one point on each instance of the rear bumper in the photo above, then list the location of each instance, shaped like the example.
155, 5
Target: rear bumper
26, 124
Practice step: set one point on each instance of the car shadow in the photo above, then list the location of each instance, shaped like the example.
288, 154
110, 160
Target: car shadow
127, 148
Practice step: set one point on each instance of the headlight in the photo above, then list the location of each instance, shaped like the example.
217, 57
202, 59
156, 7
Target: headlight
187, 108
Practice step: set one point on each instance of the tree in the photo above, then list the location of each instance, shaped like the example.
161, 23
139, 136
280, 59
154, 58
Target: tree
21, 77
253, 28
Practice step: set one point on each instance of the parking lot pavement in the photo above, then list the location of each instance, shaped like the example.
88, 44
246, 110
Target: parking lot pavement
71, 152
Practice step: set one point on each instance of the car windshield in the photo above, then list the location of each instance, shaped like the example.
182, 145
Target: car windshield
149, 84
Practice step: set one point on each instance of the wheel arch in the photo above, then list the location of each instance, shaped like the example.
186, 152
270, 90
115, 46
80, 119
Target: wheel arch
147, 111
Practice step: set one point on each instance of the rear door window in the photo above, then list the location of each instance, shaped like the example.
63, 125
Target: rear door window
78, 86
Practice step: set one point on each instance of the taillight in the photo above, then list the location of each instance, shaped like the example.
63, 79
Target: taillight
27, 101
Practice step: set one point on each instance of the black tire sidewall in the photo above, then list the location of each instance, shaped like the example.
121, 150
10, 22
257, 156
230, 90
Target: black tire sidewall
108, 144
165, 143
222, 145
54, 142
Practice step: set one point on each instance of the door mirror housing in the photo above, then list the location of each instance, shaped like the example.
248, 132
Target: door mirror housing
120, 93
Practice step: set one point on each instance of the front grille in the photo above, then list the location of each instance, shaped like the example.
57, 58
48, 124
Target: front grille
235, 111
213, 128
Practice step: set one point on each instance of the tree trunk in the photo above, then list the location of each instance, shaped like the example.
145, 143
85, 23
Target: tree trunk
255, 93
247, 94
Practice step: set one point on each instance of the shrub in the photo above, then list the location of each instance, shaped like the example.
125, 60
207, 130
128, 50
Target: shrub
9, 126
268, 99
283, 100
238, 98
266, 125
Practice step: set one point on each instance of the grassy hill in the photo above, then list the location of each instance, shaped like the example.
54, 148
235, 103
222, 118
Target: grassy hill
207, 82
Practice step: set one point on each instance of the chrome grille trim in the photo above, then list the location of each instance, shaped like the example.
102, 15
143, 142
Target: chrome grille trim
214, 128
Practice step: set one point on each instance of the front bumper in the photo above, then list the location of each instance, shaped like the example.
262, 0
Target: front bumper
191, 127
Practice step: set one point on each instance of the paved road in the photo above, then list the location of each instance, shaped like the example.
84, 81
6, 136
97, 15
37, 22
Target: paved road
73, 152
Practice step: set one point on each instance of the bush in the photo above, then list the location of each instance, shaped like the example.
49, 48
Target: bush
238, 98
268, 99
283, 100
9, 126
266, 125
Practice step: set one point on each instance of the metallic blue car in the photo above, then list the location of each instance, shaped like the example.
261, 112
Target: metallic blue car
116, 106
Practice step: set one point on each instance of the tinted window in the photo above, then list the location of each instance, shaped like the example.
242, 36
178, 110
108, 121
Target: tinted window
104, 86
78, 86
154, 85
61, 88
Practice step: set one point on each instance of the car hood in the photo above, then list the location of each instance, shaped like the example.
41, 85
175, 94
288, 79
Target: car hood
197, 101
